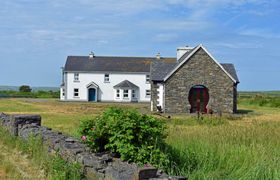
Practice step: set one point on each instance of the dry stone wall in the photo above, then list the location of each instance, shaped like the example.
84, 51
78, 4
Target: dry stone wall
95, 165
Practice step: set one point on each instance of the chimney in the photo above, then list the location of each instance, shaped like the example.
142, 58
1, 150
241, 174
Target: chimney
158, 56
91, 55
183, 50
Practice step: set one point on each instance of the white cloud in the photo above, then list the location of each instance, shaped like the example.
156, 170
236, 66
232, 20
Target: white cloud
259, 32
165, 37
239, 45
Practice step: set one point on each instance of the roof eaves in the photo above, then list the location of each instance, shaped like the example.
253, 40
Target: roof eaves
70, 71
234, 80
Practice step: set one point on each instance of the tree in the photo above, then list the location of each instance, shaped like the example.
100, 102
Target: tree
25, 88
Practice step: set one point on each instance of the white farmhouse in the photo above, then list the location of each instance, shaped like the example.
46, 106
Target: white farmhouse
103, 78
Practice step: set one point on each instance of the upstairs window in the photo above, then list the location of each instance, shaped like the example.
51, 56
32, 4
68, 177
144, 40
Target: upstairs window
76, 92
76, 77
125, 93
106, 78
148, 93
147, 78
118, 93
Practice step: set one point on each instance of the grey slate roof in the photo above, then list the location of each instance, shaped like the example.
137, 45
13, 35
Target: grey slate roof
159, 70
126, 84
231, 70
108, 64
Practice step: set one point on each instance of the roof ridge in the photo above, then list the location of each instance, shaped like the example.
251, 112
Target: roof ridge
122, 57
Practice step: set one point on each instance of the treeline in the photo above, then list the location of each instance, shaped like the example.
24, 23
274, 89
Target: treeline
32, 94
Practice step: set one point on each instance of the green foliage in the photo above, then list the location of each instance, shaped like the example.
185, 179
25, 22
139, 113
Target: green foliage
25, 88
33, 94
225, 152
134, 137
260, 99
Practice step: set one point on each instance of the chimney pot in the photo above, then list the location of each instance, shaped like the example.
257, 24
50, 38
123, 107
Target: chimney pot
158, 56
91, 54
183, 50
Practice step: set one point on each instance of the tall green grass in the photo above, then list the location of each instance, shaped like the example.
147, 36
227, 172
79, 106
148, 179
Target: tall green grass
54, 167
225, 151
10, 105
260, 99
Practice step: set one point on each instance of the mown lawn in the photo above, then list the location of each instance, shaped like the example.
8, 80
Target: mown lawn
244, 146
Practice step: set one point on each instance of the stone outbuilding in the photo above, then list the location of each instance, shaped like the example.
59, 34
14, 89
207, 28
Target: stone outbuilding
195, 82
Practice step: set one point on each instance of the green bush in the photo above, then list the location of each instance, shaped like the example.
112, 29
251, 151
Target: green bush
128, 134
25, 88
33, 94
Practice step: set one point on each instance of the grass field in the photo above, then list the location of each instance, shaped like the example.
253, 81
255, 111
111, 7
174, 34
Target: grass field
244, 146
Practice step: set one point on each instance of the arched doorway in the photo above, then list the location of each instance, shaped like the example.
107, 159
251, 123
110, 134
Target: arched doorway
198, 98
92, 91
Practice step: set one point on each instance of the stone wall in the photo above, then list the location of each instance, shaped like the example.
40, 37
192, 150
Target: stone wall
200, 69
95, 165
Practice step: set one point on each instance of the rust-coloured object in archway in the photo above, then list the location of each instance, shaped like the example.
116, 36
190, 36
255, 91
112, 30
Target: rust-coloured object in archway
198, 98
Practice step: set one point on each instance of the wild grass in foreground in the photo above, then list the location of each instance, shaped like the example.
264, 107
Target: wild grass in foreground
225, 151
48, 167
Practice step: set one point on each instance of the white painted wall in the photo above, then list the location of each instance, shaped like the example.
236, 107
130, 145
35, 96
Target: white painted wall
160, 95
62, 97
106, 92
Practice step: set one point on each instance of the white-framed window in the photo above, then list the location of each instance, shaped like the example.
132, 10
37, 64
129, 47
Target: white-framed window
147, 78
125, 93
148, 93
133, 94
76, 76
106, 78
117, 93
76, 92
63, 92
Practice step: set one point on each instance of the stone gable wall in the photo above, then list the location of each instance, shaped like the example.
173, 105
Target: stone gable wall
96, 166
200, 69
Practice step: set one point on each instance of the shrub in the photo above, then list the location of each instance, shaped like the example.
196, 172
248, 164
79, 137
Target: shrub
128, 134
25, 88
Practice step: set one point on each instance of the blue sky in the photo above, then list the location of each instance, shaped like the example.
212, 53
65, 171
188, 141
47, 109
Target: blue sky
36, 36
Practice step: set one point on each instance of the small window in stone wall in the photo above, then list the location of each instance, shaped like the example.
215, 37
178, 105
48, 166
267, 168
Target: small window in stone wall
63, 92
76, 92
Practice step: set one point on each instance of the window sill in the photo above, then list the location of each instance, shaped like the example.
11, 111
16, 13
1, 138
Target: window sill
106, 81
76, 81
76, 97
